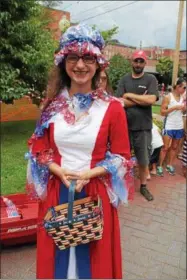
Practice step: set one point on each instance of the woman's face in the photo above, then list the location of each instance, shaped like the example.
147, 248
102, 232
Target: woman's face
81, 68
181, 88
102, 80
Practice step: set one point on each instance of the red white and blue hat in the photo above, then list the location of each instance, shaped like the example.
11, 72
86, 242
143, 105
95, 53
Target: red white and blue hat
82, 39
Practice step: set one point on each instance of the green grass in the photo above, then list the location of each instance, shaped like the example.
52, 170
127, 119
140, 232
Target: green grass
156, 109
13, 147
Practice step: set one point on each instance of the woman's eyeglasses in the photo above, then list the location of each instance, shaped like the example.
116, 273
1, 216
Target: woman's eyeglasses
74, 58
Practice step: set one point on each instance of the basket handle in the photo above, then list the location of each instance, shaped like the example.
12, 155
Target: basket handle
71, 200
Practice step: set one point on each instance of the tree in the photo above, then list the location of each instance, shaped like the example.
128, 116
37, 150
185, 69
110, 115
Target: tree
107, 34
50, 3
26, 48
165, 68
118, 67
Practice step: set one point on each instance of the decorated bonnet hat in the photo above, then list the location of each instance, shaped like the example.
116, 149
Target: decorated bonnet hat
81, 39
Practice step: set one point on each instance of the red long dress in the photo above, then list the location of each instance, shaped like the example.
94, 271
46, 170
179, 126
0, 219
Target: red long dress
80, 147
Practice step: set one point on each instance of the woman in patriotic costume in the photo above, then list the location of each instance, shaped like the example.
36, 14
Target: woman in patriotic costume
82, 135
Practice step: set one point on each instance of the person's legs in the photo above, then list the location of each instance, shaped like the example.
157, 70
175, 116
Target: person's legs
177, 136
154, 160
179, 149
153, 171
143, 172
148, 174
167, 142
142, 148
173, 151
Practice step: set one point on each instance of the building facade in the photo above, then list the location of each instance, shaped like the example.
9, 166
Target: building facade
117, 48
56, 16
154, 53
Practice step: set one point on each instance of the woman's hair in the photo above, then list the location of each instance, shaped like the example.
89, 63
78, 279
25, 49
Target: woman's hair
59, 79
179, 82
109, 89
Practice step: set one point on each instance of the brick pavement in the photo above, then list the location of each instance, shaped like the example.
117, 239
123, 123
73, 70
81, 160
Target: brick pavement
153, 236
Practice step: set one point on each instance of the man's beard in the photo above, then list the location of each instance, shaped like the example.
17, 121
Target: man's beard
138, 70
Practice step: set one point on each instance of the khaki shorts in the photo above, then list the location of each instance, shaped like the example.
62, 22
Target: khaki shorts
141, 144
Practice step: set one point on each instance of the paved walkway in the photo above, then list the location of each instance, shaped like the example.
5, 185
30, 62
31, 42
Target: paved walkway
154, 233
153, 236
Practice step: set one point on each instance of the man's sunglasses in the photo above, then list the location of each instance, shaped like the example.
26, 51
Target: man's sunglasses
139, 60
74, 58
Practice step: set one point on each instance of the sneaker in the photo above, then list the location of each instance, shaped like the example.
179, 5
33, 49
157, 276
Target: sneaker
145, 192
170, 169
159, 171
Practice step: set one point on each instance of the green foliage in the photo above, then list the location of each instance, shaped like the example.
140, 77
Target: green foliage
109, 33
165, 68
119, 66
26, 48
50, 3
14, 145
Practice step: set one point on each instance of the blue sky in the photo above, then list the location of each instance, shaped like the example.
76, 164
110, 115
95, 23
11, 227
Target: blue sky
152, 22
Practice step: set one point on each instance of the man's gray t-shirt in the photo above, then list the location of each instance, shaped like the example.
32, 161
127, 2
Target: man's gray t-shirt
138, 117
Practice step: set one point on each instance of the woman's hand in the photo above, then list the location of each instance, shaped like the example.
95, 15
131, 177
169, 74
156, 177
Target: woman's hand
81, 175
87, 174
80, 184
179, 107
66, 176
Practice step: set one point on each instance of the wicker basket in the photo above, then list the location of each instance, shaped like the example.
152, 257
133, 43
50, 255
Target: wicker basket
76, 222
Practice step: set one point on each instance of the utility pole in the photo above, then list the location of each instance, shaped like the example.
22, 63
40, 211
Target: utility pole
178, 39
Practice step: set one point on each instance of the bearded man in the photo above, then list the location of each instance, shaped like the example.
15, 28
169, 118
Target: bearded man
139, 91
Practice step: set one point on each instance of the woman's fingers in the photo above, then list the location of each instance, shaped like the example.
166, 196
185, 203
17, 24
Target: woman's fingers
72, 178
79, 187
68, 176
66, 181
72, 175
80, 184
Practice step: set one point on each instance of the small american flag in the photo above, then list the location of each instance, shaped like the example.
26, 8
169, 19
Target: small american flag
10, 208
12, 211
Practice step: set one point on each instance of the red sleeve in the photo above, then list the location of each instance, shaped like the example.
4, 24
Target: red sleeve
118, 134
40, 148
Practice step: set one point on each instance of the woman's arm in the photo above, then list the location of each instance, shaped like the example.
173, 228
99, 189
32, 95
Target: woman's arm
164, 110
62, 173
